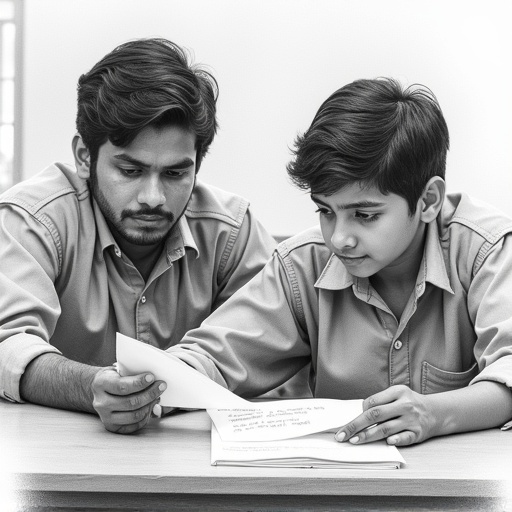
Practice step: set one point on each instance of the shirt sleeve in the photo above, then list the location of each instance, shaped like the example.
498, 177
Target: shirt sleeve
254, 342
490, 305
29, 305
246, 252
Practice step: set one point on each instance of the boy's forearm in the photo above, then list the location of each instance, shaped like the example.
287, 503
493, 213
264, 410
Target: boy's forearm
483, 405
55, 381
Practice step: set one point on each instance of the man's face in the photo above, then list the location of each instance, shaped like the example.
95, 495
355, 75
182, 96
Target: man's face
143, 189
369, 231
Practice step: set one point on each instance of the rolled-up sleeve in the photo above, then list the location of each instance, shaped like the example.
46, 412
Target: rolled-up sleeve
490, 304
254, 342
29, 305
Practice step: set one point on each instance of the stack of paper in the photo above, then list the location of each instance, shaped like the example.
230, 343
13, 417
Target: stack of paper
294, 433
313, 451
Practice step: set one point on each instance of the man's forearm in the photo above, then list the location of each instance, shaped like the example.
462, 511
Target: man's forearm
55, 381
483, 405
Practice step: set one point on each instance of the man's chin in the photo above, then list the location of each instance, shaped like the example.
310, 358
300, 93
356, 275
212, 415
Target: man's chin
145, 238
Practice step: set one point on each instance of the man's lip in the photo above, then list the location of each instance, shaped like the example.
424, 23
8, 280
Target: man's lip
148, 218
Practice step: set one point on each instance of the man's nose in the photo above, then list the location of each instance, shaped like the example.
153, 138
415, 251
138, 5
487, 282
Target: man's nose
152, 192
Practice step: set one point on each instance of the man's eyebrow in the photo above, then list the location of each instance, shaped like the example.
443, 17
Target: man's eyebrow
182, 164
349, 206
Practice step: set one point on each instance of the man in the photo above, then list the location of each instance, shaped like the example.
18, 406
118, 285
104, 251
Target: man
402, 297
130, 241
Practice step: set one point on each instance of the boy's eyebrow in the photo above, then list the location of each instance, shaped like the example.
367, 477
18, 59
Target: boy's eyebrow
182, 164
348, 206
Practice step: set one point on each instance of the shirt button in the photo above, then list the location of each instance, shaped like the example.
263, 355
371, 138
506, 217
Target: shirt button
143, 299
398, 345
117, 251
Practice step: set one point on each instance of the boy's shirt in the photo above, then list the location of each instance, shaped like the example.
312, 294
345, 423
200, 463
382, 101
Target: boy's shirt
304, 306
66, 287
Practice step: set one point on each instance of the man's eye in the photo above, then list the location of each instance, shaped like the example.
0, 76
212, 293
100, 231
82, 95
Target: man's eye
177, 173
129, 172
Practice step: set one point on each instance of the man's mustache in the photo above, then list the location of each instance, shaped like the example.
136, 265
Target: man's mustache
148, 211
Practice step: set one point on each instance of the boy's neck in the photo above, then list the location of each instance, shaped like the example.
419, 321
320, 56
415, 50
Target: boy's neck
395, 283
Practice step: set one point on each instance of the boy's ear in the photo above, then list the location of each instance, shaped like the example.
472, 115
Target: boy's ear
82, 157
431, 200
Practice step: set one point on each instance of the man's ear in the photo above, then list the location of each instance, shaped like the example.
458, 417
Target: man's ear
431, 200
82, 157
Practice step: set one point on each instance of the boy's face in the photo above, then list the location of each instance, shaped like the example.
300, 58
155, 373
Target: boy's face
143, 189
369, 231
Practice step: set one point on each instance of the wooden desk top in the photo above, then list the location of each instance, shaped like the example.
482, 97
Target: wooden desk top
44, 450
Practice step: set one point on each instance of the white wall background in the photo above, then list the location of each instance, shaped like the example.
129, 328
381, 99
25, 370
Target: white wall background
276, 61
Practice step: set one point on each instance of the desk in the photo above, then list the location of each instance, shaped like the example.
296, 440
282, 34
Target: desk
51, 458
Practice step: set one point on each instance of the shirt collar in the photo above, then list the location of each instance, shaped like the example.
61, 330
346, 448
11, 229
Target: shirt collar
105, 236
432, 269
179, 238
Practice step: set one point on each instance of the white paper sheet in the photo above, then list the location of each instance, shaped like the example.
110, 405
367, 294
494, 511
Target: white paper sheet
186, 387
235, 418
284, 419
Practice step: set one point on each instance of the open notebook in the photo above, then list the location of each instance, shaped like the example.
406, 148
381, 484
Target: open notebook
318, 450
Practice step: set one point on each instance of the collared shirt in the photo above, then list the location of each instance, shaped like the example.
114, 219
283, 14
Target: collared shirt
305, 307
65, 286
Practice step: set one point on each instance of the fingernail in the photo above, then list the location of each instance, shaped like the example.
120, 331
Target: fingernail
392, 440
149, 378
339, 436
162, 386
354, 439
157, 410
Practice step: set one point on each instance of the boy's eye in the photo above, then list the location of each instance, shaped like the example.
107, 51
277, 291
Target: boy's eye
366, 217
323, 211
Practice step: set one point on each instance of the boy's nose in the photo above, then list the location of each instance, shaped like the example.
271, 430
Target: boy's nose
343, 240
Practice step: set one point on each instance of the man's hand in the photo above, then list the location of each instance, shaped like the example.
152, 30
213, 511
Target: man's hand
397, 414
124, 404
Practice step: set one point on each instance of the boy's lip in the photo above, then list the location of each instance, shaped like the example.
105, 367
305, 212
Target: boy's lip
350, 260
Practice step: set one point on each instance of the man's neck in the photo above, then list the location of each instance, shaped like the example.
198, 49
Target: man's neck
144, 257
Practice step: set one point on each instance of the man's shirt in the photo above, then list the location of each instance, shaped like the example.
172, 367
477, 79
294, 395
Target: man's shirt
306, 307
65, 286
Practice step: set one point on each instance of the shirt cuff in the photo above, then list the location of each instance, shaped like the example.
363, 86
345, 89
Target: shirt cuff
16, 352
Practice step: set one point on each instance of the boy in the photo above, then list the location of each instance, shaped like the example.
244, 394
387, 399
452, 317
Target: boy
403, 299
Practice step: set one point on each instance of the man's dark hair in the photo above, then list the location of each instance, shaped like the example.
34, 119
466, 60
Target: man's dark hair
376, 133
141, 83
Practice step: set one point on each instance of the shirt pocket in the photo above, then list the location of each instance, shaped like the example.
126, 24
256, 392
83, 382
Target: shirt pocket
435, 380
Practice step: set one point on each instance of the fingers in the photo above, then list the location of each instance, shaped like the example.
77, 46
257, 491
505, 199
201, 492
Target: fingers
111, 382
368, 426
125, 404
128, 422
396, 414
403, 438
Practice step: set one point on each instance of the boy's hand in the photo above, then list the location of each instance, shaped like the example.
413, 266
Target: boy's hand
124, 404
397, 414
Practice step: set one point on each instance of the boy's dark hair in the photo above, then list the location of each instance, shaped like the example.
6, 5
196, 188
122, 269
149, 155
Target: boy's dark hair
376, 133
141, 83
